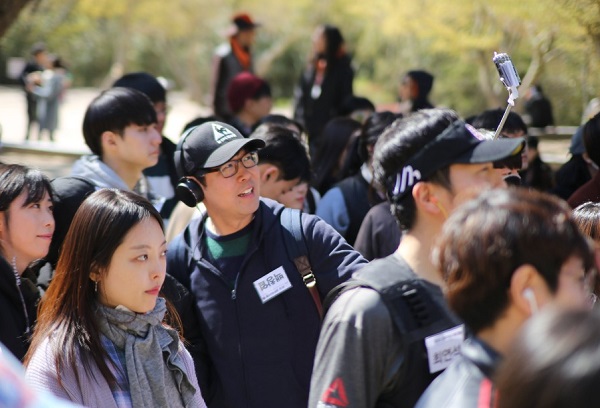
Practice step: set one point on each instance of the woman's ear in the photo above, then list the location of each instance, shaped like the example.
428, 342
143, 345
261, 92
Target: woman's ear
95, 276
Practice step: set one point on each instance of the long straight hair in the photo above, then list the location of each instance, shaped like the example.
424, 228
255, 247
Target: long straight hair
67, 310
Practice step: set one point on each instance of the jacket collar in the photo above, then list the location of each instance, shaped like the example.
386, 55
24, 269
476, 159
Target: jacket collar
481, 355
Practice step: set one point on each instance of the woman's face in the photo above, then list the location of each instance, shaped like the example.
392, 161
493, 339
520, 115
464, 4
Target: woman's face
295, 197
137, 269
319, 41
26, 230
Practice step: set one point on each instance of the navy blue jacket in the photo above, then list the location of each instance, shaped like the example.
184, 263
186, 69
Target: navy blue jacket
260, 355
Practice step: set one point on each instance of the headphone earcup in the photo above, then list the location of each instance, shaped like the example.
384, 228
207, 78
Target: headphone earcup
189, 192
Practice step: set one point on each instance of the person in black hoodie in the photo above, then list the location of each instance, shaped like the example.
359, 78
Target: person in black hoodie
414, 91
325, 84
26, 228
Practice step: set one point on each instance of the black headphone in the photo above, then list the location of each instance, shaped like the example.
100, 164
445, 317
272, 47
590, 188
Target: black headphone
188, 190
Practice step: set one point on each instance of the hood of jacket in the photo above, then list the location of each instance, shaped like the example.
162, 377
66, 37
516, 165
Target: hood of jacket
94, 169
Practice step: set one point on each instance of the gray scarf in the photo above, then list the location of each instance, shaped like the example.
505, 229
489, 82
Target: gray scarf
156, 372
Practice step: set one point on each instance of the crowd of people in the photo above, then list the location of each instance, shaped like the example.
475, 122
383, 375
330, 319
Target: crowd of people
342, 257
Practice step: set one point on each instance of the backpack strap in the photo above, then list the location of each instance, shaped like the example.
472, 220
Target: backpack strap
291, 221
411, 307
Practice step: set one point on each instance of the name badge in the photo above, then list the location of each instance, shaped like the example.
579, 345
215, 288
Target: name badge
443, 347
272, 284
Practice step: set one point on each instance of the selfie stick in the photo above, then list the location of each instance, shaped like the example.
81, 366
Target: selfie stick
510, 78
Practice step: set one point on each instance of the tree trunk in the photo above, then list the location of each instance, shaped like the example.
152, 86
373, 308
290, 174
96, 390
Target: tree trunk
9, 11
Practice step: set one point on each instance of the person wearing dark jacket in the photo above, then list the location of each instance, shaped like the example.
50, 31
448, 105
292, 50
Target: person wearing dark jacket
26, 227
231, 59
496, 284
258, 320
345, 205
325, 84
414, 91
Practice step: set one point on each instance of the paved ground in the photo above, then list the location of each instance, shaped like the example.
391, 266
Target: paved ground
56, 158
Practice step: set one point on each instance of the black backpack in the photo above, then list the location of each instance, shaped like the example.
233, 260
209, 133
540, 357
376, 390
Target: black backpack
415, 315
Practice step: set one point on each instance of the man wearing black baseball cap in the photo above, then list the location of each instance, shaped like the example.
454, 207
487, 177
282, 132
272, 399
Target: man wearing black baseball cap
258, 320
231, 59
389, 332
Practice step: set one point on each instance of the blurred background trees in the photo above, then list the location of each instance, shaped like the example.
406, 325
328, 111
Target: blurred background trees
555, 43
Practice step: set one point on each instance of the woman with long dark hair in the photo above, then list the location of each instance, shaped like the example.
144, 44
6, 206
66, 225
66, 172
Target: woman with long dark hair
100, 340
26, 228
325, 84
337, 156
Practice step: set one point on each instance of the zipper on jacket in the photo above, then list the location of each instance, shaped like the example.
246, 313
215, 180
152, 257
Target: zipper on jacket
233, 295
18, 280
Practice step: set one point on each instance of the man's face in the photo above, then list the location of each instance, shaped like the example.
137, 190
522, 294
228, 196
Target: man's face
233, 199
246, 37
574, 285
41, 58
469, 180
139, 147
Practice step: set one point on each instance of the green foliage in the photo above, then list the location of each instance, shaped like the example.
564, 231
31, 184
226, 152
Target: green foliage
555, 42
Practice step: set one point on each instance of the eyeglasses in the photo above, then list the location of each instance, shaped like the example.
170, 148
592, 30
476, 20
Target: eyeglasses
230, 168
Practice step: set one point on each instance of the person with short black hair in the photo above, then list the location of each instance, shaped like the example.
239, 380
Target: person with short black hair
119, 127
162, 176
372, 350
358, 108
504, 256
259, 320
283, 162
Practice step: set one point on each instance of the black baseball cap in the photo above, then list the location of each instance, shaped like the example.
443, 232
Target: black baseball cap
459, 143
209, 145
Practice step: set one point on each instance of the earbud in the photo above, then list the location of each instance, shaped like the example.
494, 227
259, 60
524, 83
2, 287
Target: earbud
530, 297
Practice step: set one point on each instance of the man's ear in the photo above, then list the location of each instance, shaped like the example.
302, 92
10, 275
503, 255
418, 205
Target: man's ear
527, 290
425, 198
108, 139
269, 173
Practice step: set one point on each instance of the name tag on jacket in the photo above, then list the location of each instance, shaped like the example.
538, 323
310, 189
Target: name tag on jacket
272, 284
444, 347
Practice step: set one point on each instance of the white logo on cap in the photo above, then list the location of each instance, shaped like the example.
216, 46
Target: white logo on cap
222, 134
406, 179
476, 134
